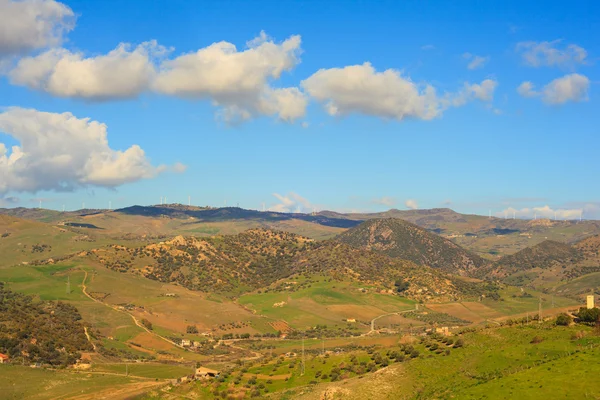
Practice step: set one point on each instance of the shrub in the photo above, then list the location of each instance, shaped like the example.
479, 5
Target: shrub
564, 320
537, 339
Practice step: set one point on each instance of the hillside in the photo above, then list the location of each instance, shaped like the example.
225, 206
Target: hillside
401, 239
235, 264
45, 332
544, 255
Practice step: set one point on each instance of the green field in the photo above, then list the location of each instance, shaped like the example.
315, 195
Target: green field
495, 363
18, 382
514, 301
324, 303
146, 370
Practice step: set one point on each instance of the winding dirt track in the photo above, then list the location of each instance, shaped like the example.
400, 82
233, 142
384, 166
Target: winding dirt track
135, 320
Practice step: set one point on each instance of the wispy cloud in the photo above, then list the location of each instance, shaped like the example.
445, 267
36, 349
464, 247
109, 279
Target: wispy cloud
475, 61
551, 54
385, 201
541, 212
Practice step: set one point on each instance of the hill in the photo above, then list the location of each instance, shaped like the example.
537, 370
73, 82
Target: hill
401, 239
40, 331
544, 255
255, 259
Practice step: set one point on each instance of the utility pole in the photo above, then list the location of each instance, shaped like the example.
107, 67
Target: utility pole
323, 351
69, 284
540, 311
302, 373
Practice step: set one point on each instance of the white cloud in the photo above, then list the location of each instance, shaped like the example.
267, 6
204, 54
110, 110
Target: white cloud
32, 24
236, 80
569, 88
428, 47
292, 202
305, 124
537, 54
62, 152
124, 72
412, 204
541, 212
526, 89
573, 87
475, 61
385, 201
483, 91
361, 89
239, 82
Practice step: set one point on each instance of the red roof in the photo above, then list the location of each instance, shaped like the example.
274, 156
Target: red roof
4, 356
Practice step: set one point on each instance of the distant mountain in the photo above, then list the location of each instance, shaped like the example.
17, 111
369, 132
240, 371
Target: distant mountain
401, 239
232, 213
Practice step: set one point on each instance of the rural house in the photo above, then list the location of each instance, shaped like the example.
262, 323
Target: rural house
3, 358
205, 373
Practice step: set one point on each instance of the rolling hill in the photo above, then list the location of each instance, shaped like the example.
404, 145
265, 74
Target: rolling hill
544, 255
255, 259
401, 239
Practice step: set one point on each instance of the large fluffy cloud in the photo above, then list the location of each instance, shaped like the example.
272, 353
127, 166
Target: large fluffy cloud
32, 24
61, 152
122, 73
236, 80
537, 54
239, 82
388, 94
569, 88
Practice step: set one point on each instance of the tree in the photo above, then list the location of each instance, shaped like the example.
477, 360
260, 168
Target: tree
146, 323
564, 320
589, 315
191, 329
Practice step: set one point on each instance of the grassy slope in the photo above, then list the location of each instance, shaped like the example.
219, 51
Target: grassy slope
324, 303
495, 363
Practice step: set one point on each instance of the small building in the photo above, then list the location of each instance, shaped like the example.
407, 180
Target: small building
205, 373
186, 342
3, 358
590, 301
197, 343
443, 330
351, 320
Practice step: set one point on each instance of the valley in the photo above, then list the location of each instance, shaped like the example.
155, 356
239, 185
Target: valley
247, 296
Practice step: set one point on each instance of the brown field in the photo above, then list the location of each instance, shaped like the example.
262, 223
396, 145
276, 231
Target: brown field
482, 310
280, 326
150, 341
457, 310
359, 312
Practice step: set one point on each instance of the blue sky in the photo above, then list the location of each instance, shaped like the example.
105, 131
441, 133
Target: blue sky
297, 120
